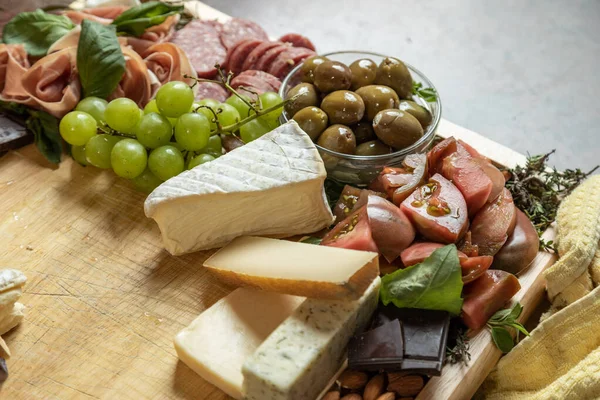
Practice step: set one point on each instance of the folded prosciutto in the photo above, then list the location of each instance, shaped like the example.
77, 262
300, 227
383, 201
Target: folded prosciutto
137, 80
155, 34
169, 63
13, 65
53, 82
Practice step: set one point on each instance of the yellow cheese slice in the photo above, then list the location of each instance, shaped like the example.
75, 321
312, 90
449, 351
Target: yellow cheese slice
216, 344
299, 269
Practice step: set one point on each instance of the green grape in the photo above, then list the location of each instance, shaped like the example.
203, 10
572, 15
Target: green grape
128, 158
98, 149
151, 107
201, 159
254, 129
77, 128
174, 99
214, 146
78, 154
227, 114
210, 117
242, 108
154, 130
122, 115
270, 99
146, 181
165, 162
94, 106
192, 131
212, 103
178, 146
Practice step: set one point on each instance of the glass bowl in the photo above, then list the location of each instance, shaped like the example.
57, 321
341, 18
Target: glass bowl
360, 170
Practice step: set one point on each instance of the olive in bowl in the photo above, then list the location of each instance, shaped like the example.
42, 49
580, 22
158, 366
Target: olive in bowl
307, 72
397, 128
377, 98
393, 73
363, 131
330, 76
312, 120
338, 138
305, 94
364, 72
372, 148
343, 107
417, 111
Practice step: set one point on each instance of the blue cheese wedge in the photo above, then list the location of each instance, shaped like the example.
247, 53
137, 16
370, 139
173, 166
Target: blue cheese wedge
272, 186
298, 359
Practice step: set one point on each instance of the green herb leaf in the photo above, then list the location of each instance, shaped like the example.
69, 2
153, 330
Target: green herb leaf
515, 312
502, 339
100, 60
500, 316
434, 284
137, 19
311, 240
36, 30
428, 94
46, 135
519, 328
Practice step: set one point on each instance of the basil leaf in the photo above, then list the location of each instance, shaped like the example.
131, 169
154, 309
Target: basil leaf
46, 135
502, 339
36, 30
137, 19
434, 284
311, 240
100, 61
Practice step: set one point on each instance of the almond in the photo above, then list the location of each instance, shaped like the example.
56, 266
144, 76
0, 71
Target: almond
387, 396
405, 385
331, 396
352, 396
374, 388
353, 380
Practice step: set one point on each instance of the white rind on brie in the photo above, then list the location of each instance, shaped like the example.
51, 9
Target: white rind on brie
272, 186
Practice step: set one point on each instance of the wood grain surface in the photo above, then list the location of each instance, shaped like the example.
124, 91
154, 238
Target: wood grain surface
104, 299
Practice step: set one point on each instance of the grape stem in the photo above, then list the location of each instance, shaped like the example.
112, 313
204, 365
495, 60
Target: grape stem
223, 82
214, 113
104, 128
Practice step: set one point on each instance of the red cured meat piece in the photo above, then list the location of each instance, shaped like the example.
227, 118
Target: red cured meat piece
211, 90
239, 55
237, 29
267, 59
273, 81
257, 53
200, 40
287, 60
297, 40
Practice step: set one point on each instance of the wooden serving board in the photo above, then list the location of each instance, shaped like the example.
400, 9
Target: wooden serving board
104, 300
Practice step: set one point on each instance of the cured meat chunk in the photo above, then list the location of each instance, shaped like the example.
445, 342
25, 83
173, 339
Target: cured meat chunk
257, 53
264, 62
211, 90
237, 29
297, 41
287, 60
255, 81
236, 58
200, 40
169, 63
136, 83
273, 81
13, 65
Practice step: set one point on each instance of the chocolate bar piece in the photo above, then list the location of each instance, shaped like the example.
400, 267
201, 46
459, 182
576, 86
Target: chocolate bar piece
12, 135
378, 348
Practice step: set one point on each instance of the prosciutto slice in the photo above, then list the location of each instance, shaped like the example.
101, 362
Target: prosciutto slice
137, 80
53, 83
169, 63
155, 34
13, 65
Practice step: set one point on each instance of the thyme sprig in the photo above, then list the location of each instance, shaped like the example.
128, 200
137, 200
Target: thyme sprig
459, 353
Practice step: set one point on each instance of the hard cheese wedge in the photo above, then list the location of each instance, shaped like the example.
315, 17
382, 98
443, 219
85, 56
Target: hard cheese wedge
217, 343
302, 354
295, 268
271, 186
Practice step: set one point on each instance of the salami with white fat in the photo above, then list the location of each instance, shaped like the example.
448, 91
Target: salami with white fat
288, 59
297, 40
211, 90
201, 42
237, 29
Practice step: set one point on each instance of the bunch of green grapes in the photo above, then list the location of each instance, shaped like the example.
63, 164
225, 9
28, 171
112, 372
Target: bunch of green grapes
173, 132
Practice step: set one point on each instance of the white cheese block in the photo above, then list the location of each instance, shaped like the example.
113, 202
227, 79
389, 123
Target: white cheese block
295, 268
272, 186
216, 344
304, 352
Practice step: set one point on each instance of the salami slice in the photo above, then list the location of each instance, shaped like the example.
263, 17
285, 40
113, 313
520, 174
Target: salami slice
203, 57
257, 53
237, 29
286, 60
267, 59
297, 41
211, 90
241, 52
273, 81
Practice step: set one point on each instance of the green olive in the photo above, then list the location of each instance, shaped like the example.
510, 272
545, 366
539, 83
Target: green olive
307, 96
364, 72
372, 148
417, 111
330, 76
338, 138
377, 98
393, 73
397, 128
363, 131
343, 107
307, 71
312, 120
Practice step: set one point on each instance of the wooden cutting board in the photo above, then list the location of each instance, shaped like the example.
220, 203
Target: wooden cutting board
104, 299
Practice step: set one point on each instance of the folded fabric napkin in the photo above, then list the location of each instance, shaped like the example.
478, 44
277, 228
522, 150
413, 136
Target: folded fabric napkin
561, 357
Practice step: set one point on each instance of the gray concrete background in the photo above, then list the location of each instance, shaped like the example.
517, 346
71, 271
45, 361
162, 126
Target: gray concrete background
524, 73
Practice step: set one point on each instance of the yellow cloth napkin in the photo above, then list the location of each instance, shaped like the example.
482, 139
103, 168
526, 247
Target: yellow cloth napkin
561, 358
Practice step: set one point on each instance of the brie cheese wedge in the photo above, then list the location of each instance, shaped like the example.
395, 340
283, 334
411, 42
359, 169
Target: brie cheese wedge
272, 186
